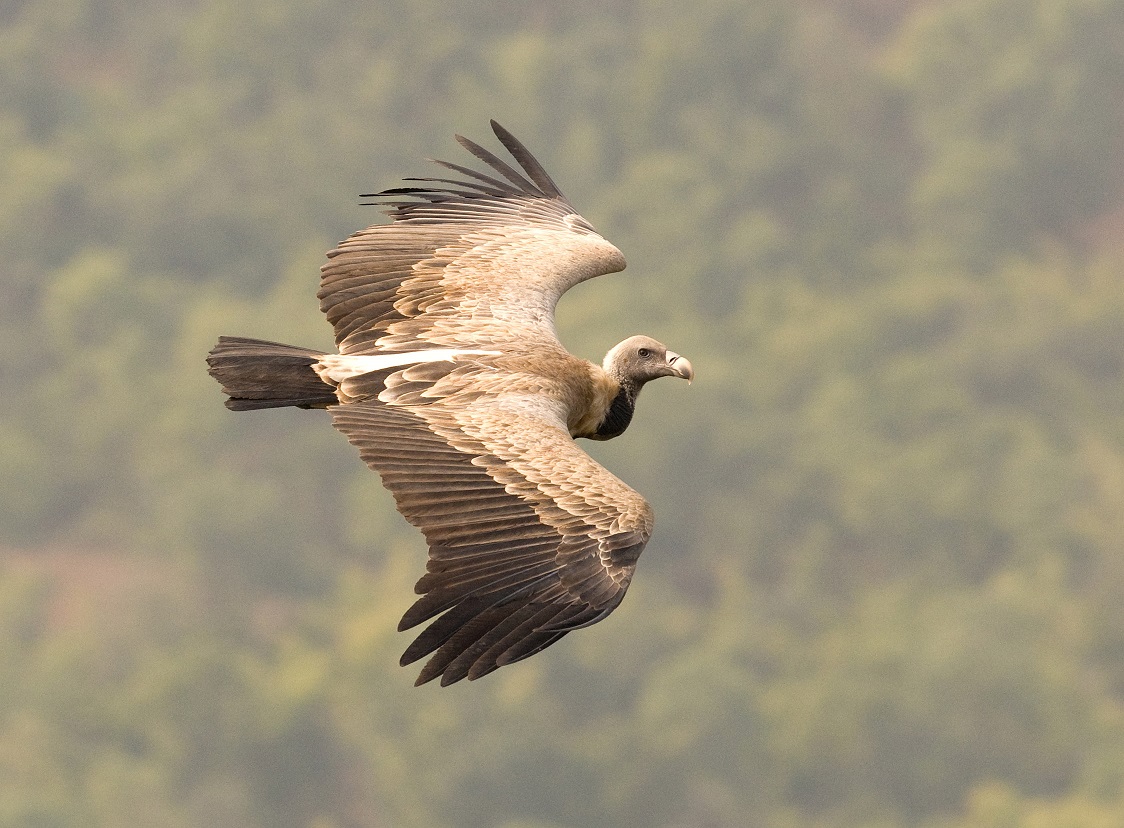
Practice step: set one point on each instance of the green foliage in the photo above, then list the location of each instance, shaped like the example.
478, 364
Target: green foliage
885, 587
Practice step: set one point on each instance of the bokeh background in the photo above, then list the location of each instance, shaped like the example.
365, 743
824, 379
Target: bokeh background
887, 582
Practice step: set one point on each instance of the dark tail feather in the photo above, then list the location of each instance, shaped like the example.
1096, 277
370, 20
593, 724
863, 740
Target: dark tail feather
257, 374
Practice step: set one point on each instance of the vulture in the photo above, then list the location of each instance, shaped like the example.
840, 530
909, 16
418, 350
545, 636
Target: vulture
452, 383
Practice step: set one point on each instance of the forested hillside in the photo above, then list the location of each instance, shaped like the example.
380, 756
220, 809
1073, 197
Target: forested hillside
886, 586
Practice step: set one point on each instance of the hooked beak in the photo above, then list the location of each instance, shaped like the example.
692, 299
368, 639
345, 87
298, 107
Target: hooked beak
680, 366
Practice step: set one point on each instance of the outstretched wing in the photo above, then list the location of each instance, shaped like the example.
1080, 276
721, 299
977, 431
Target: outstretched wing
529, 538
477, 260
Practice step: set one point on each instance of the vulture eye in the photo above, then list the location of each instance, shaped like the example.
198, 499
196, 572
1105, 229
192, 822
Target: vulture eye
644, 352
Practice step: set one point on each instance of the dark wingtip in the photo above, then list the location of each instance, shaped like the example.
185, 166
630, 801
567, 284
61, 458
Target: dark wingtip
498, 164
526, 160
533, 180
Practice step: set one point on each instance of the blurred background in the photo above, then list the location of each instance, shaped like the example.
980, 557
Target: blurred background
887, 582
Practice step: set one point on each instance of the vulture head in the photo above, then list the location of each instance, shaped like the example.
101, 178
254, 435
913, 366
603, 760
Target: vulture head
630, 364
640, 358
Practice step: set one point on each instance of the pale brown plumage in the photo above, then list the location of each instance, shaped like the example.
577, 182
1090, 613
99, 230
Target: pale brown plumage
451, 382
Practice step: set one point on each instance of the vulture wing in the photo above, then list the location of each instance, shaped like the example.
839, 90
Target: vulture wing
529, 538
481, 260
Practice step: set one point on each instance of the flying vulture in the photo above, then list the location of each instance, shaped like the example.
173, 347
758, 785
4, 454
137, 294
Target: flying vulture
451, 382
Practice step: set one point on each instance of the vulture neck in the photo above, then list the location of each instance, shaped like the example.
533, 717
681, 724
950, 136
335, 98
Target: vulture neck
619, 413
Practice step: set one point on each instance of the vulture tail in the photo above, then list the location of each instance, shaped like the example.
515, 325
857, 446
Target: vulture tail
257, 374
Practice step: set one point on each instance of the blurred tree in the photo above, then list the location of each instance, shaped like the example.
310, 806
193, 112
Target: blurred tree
885, 584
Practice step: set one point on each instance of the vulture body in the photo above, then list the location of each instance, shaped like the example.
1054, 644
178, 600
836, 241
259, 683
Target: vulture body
451, 382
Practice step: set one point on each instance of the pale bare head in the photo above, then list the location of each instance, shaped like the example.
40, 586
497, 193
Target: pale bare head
640, 359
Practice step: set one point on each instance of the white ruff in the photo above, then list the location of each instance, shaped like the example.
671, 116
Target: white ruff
336, 368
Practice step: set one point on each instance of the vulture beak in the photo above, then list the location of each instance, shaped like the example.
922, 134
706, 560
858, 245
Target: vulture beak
681, 366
